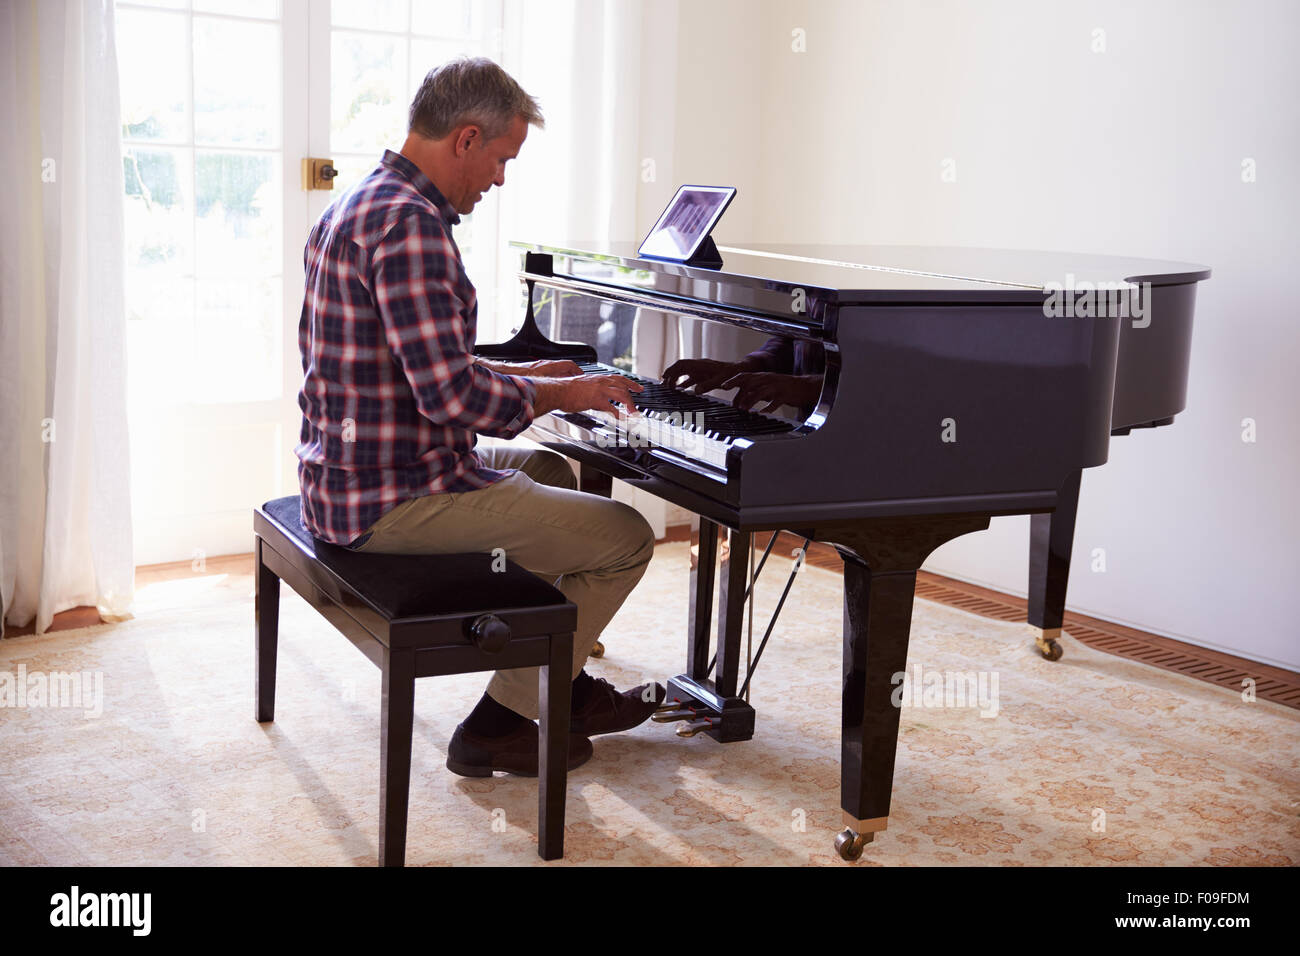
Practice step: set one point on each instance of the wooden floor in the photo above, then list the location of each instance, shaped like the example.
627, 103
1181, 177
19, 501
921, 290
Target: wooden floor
1215, 667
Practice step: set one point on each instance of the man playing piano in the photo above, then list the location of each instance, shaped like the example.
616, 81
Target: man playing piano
393, 400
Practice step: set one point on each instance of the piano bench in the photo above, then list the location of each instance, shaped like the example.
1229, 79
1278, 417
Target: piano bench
419, 616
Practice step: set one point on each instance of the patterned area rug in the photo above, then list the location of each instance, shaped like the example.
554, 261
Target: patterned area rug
1090, 760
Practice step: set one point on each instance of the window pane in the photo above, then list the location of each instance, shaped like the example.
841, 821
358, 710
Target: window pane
159, 231
465, 231
159, 299
367, 93
159, 347
236, 356
427, 54
442, 18
268, 9
153, 63
237, 205
370, 14
236, 82
173, 4
158, 210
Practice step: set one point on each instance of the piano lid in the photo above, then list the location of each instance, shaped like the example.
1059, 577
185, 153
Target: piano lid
874, 274
1031, 268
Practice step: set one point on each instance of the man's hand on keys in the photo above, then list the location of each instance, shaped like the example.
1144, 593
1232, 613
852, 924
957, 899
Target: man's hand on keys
582, 393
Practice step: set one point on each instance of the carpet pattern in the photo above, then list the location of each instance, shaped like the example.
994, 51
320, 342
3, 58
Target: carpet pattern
1092, 760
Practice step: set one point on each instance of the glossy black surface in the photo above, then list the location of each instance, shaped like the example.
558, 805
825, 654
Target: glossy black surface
703, 568
1025, 267
1024, 399
733, 579
950, 391
755, 276
1051, 537
879, 584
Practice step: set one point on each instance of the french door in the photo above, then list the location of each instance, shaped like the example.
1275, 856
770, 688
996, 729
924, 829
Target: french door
221, 101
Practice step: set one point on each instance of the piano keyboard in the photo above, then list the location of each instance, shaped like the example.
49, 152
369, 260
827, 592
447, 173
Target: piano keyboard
695, 426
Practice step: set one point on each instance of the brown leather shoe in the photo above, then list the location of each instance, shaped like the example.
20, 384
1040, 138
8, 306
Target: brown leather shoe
473, 756
599, 708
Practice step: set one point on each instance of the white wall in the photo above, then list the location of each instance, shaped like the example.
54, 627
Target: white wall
1137, 151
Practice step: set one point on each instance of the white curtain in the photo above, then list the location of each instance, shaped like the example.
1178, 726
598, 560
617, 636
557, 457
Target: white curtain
65, 514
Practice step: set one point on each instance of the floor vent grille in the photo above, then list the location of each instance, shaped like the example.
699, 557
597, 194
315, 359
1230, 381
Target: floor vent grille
1214, 667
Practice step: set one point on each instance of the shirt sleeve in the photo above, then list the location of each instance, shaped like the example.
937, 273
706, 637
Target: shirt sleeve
413, 274
775, 355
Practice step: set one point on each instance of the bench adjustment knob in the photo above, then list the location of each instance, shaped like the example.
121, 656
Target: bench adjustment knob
490, 633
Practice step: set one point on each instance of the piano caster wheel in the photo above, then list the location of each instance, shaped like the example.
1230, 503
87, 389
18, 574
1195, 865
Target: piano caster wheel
598, 649
850, 844
1050, 649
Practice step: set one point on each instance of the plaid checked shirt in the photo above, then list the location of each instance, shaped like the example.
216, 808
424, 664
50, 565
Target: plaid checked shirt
392, 398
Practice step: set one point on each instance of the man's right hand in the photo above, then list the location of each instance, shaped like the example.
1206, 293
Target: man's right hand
583, 393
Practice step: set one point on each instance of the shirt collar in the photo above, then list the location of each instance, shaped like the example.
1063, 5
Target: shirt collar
400, 164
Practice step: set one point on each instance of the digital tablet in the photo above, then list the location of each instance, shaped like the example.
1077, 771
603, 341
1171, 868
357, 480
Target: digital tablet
687, 222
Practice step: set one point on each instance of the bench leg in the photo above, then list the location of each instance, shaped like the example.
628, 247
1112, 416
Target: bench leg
397, 715
554, 691
266, 638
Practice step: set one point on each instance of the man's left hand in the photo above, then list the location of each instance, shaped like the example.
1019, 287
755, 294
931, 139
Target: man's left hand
543, 368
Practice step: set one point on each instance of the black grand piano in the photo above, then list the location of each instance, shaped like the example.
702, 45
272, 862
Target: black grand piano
951, 386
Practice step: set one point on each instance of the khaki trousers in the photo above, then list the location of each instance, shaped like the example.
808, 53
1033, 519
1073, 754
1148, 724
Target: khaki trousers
593, 549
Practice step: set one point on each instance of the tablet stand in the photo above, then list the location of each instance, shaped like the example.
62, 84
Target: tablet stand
706, 255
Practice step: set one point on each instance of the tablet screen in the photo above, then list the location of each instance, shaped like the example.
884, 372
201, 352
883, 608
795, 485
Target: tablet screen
686, 222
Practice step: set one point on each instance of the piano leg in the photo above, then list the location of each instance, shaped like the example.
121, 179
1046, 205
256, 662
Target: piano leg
595, 482
1051, 538
701, 607
881, 558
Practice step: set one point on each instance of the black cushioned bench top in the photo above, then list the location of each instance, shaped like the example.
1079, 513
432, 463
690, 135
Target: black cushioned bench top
403, 586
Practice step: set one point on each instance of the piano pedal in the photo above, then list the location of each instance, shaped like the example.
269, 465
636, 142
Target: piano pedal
675, 703
699, 726
671, 716
725, 719
597, 650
